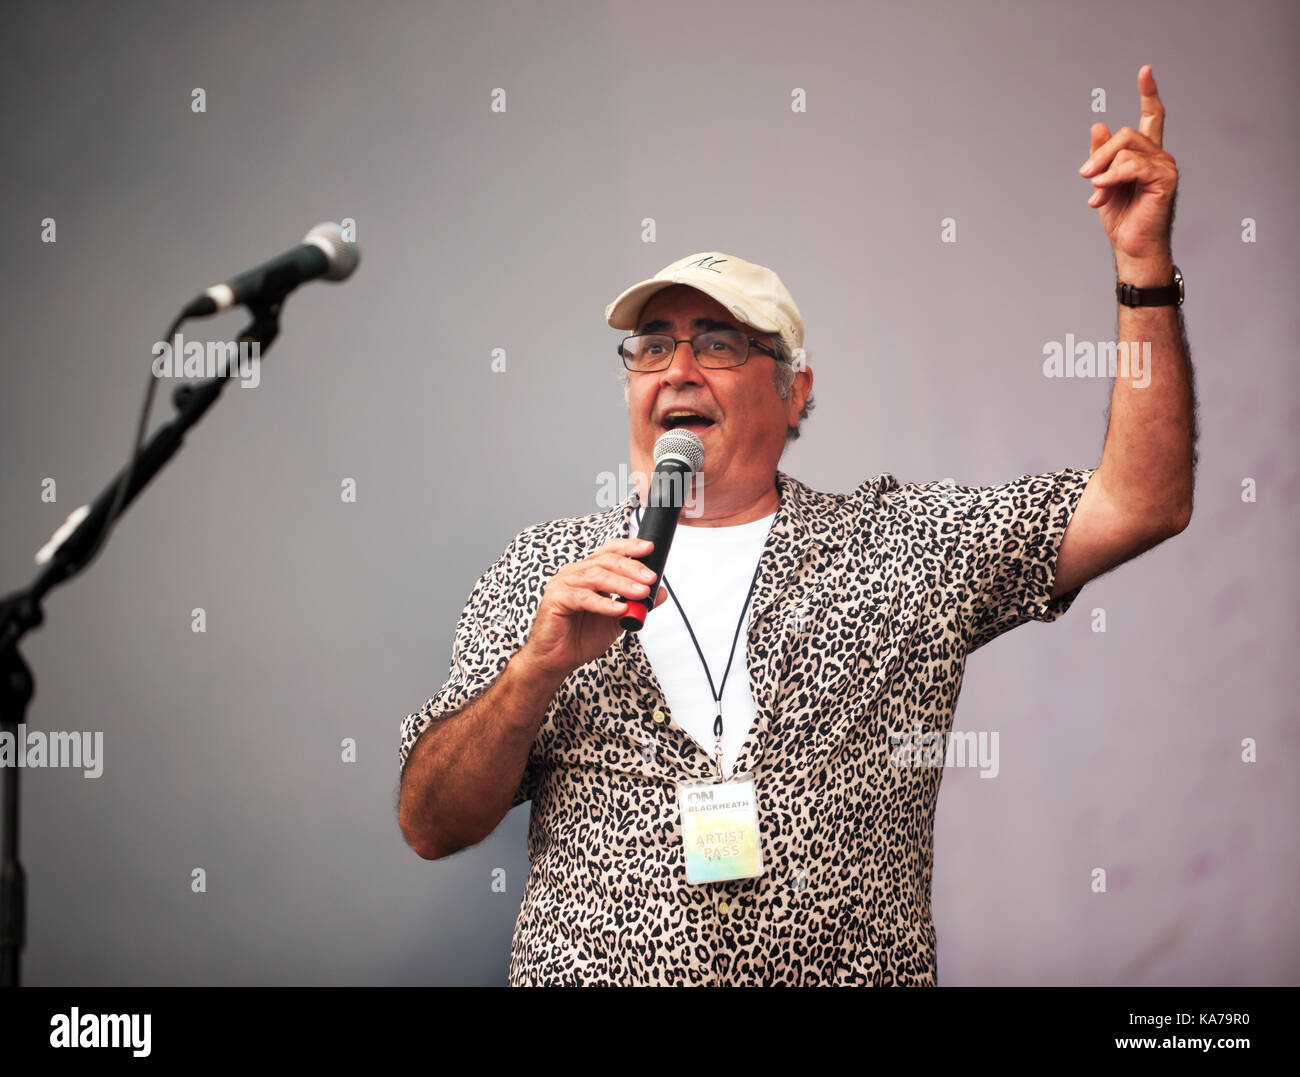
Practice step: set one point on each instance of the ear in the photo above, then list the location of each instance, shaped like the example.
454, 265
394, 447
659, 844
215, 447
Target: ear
803, 383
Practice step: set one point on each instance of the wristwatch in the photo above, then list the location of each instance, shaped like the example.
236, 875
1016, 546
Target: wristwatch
1168, 295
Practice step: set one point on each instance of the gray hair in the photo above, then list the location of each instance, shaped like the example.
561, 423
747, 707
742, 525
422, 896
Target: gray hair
782, 380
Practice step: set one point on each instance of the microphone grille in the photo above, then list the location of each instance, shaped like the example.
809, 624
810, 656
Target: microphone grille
341, 253
683, 444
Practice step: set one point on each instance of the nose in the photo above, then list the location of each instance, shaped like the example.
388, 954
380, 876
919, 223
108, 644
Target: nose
685, 371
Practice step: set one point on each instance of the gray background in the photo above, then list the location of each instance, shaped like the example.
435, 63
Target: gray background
481, 230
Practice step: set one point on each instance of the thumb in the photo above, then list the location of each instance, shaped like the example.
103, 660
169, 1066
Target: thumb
663, 594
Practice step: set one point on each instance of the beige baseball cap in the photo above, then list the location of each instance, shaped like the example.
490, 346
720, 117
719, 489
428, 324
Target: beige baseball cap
752, 293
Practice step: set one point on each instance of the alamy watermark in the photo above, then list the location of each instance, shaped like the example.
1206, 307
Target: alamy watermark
77, 1029
37, 748
964, 748
1103, 359
181, 358
675, 488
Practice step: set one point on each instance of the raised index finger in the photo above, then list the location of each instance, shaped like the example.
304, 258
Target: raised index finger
1152, 123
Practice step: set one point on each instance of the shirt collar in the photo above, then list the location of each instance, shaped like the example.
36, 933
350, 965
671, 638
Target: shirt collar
807, 526
795, 516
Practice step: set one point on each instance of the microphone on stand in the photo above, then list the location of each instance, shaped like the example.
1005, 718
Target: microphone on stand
324, 252
679, 454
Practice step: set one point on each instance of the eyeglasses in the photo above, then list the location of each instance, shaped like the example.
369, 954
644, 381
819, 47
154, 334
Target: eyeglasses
716, 350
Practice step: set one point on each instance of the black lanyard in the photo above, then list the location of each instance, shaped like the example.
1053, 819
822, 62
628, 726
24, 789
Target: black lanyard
715, 692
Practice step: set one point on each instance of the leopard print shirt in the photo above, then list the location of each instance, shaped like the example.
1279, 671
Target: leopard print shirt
865, 608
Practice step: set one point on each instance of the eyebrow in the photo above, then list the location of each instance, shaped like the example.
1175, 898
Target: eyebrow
705, 324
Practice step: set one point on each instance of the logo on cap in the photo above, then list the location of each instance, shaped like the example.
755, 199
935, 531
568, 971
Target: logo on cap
707, 262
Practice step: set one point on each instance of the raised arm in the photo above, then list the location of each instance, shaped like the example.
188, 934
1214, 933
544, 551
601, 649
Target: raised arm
1141, 493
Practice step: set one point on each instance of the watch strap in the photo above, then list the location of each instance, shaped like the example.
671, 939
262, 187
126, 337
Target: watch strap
1165, 296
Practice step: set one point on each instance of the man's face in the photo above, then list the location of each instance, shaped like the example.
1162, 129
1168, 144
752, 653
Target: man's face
744, 441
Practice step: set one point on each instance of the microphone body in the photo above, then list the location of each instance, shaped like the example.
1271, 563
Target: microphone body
678, 455
324, 252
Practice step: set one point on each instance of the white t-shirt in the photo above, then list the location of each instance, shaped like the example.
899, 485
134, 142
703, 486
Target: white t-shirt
709, 570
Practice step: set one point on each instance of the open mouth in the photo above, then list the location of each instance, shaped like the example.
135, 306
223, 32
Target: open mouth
698, 423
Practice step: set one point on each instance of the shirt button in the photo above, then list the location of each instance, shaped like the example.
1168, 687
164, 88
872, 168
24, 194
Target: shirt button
723, 908
658, 716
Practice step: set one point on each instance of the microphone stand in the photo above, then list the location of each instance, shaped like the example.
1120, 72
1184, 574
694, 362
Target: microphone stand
20, 612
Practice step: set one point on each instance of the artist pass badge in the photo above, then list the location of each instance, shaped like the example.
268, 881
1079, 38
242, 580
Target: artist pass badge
720, 830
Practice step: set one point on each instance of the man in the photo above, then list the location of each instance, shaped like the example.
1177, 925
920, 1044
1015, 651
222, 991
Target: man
856, 614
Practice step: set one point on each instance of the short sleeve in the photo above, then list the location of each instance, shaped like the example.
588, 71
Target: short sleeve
487, 634
1004, 565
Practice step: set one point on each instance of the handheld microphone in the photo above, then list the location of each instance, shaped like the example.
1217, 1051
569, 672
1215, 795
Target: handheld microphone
324, 252
679, 454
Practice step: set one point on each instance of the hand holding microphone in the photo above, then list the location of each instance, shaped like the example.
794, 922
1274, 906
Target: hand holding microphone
577, 619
